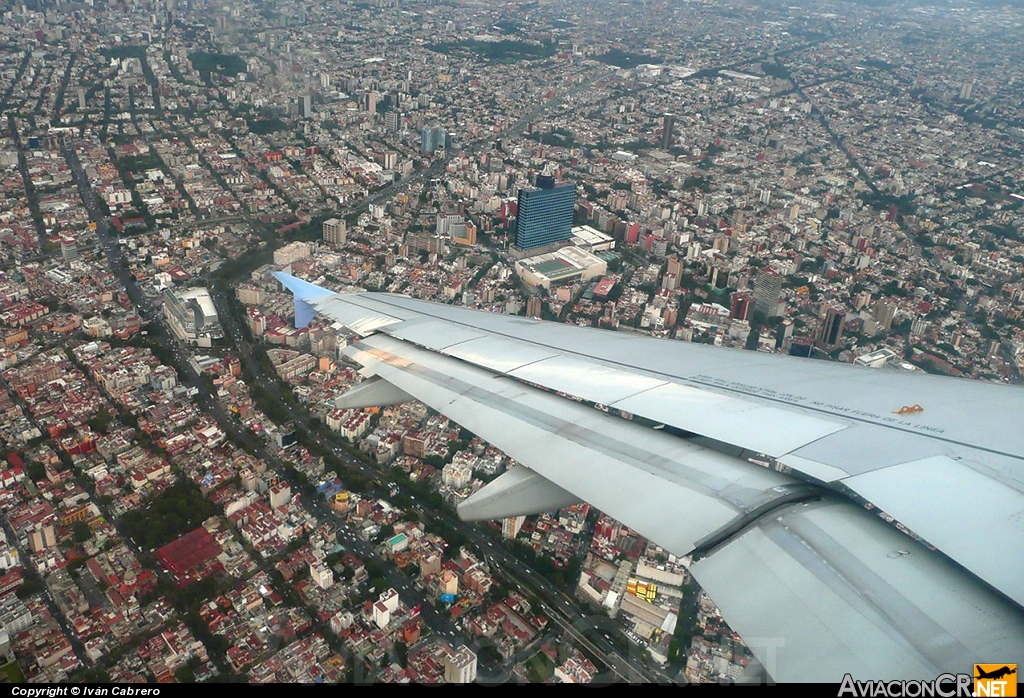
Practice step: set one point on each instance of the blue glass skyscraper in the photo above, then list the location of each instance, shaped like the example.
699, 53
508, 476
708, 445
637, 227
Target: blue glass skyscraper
544, 214
431, 139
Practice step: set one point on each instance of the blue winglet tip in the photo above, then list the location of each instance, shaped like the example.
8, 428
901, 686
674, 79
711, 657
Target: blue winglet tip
302, 289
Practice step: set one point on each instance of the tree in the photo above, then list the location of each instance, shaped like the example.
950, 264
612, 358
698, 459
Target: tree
100, 421
35, 470
673, 651
81, 531
29, 587
434, 461
95, 675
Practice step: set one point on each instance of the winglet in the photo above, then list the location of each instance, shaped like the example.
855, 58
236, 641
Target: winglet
303, 291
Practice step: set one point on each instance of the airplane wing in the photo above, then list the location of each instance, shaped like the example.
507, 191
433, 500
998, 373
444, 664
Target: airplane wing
798, 558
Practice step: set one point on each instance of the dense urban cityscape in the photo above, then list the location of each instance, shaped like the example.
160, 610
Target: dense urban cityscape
183, 501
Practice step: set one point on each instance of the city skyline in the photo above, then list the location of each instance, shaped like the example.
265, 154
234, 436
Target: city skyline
817, 184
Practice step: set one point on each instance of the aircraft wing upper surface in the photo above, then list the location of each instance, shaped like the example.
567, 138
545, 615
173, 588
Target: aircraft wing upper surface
815, 584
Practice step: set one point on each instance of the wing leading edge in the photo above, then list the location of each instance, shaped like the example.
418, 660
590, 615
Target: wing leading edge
816, 586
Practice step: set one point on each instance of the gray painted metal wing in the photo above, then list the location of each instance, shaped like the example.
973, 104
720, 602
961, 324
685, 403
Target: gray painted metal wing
828, 421
844, 590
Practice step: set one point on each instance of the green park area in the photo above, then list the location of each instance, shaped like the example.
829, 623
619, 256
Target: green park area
11, 673
221, 63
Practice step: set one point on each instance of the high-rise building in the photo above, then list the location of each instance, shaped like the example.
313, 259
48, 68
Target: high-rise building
448, 582
801, 346
321, 574
305, 106
511, 526
279, 495
918, 327
460, 666
15, 616
370, 101
767, 291
783, 332
385, 607
668, 124
445, 221
335, 231
533, 306
68, 249
832, 330
718, 275
391, 121
464, 234
675, 267
454, 226
544, 214
884, 314
741, 305
293, 252
431, 139
431, 564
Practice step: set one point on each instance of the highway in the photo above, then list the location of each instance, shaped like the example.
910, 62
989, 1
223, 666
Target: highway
559, 607
410, 595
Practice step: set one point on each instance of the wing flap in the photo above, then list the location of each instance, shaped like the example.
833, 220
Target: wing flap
941, 485
823, 589
499, 354
585, 379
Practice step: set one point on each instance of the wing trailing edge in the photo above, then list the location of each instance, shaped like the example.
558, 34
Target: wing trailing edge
817, 587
